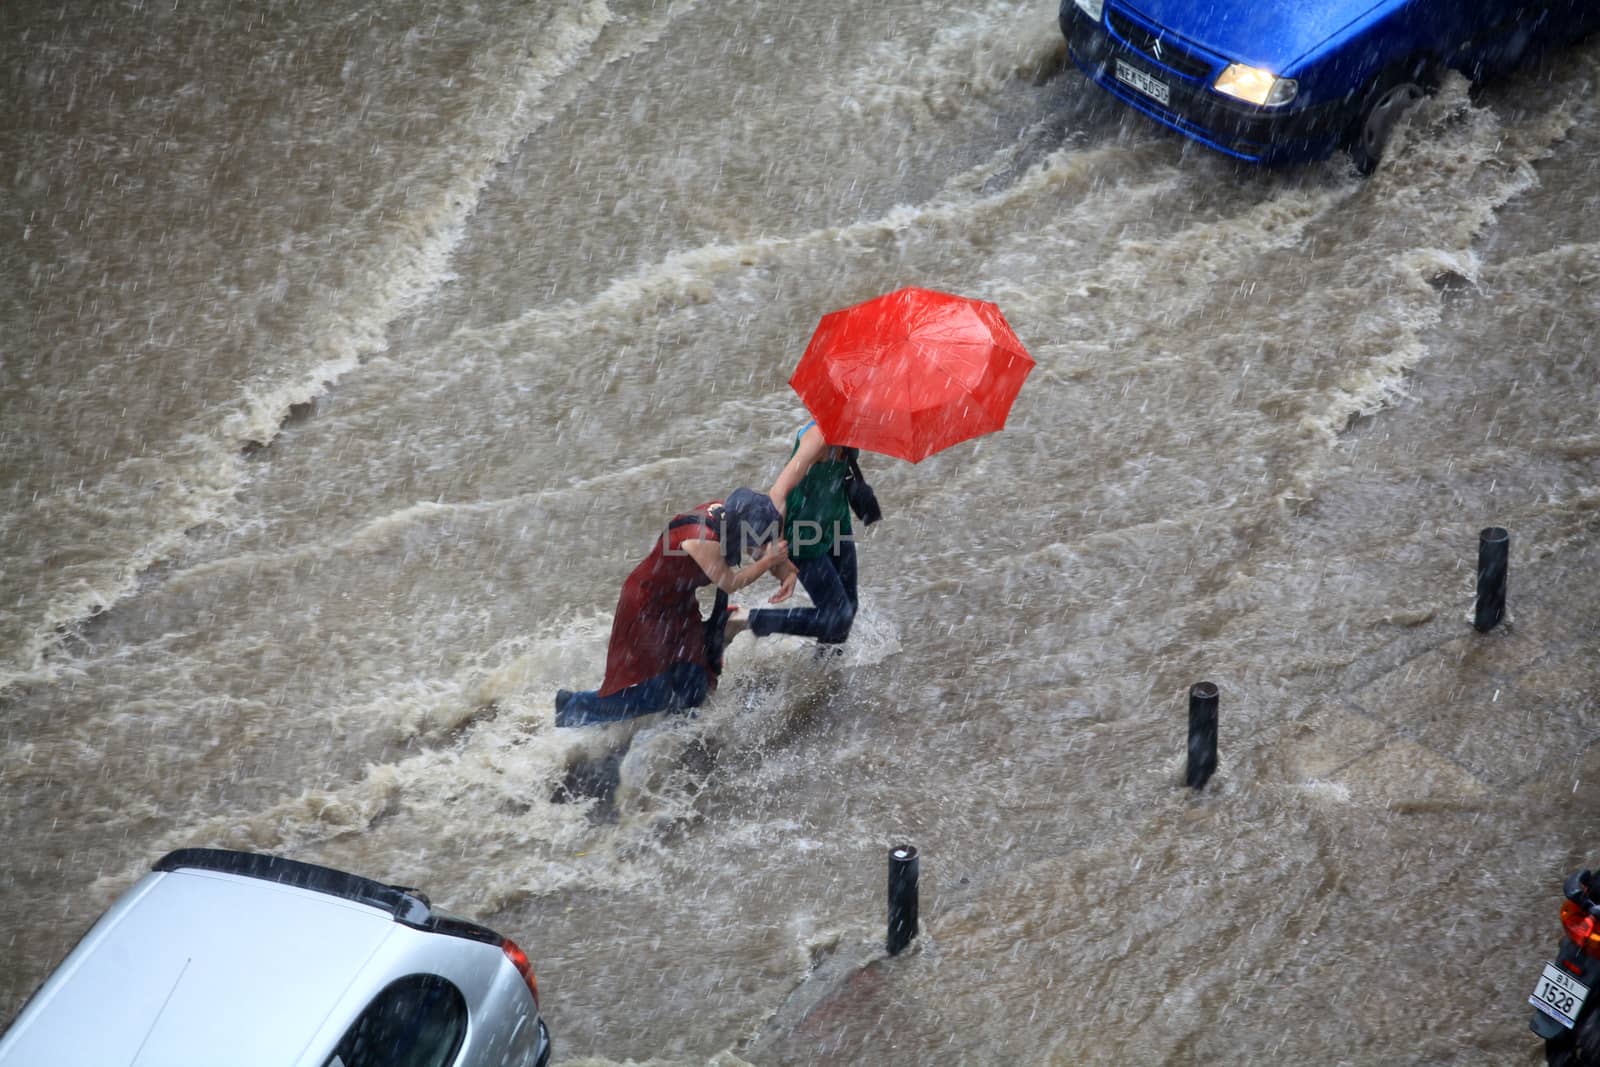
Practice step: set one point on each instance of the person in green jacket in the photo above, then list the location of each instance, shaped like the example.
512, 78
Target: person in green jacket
810, 493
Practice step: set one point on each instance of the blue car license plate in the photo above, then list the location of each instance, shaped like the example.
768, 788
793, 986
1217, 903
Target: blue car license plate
1138, 79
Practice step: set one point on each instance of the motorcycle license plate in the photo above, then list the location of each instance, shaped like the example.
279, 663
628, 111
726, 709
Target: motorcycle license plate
1559, 995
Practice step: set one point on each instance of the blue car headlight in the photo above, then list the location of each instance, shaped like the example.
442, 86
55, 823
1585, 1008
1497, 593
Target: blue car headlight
1092, 8
1254, 85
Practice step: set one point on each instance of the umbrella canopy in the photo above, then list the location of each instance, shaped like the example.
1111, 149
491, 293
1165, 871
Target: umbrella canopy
911, 372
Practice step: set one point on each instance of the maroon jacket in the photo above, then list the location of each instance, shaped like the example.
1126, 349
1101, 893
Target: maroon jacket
658, 619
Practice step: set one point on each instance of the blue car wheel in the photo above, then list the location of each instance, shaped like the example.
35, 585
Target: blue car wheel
1389, 97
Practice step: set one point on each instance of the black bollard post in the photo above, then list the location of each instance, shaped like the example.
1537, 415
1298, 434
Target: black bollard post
1494, 560
1202, 734
902, 897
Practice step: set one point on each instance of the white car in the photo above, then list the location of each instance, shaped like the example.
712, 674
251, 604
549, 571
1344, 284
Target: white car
237, 958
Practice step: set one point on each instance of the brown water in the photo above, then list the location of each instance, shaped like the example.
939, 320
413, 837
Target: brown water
356, 352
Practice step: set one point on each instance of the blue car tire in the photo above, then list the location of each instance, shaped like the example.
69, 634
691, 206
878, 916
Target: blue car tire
1388, 97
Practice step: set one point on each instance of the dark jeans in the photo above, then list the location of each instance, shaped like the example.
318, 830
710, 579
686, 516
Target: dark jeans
830, 581
679, 687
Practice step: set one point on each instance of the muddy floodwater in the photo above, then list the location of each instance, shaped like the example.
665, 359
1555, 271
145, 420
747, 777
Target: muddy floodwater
354, 352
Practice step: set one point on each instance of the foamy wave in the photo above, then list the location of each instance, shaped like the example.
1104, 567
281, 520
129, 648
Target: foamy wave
1451, 169
1578, 264
82, 588
692, 276
1334, 792
417, 261
1381, 383
409, 263
972, 54
497, 779
502, 778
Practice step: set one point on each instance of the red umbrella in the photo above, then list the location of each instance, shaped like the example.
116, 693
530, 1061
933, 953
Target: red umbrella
911, 372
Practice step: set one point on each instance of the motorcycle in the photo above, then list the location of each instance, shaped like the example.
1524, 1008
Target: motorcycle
1565, 1015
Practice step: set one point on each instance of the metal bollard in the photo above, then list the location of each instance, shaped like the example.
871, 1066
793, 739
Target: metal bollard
1494, 561
902, 897
1202, 734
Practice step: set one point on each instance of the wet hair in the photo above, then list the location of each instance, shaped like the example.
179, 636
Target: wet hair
749, 520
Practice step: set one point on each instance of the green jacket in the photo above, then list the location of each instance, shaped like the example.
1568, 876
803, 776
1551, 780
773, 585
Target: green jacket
817, 512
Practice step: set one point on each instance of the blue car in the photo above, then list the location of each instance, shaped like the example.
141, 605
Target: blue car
1283, 81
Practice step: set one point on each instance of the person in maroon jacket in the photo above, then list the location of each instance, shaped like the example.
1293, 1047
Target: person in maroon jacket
663, 656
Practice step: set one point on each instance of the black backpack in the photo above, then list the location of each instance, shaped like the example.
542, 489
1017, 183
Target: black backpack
863, 501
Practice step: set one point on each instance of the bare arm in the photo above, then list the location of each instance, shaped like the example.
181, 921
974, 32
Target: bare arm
709, 555
812, 446
787, 574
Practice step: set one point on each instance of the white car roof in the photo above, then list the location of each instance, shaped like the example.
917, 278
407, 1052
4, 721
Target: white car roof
200, 968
